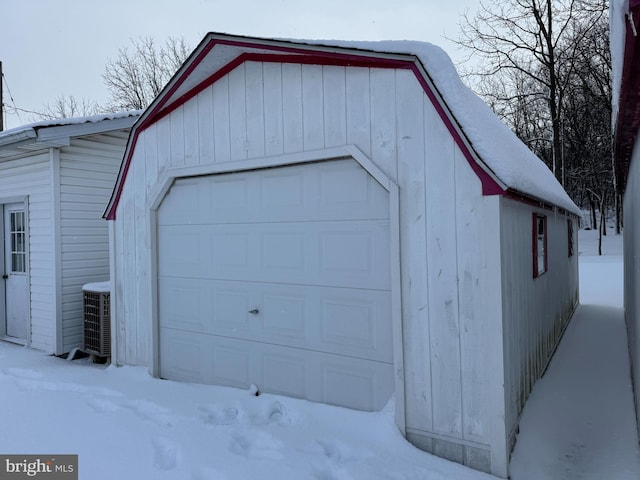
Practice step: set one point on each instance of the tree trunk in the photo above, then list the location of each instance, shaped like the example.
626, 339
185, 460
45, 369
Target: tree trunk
600, 232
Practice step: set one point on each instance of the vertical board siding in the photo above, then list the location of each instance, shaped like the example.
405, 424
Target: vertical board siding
449, 258
358, 109
413, 239
29, 176
632, 269
88, 168
334, 106
273, 109
292, 108
384, 113
536, 310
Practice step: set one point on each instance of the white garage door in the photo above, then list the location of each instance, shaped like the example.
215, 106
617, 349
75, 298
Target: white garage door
280, 278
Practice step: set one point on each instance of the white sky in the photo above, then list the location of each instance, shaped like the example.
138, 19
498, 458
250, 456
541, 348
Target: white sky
49, 48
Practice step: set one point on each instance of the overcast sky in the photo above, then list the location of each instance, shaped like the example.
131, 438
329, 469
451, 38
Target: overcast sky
54, 47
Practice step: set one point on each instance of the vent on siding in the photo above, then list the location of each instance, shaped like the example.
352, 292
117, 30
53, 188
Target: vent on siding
97, 326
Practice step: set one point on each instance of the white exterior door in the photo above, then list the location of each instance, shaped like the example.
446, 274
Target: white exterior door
15, 246
280, 278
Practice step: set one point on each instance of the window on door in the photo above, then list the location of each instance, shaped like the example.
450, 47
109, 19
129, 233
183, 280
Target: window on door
18, 243
540, 263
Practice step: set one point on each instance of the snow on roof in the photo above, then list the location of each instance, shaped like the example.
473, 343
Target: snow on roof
58, 122
97, 287
498, 147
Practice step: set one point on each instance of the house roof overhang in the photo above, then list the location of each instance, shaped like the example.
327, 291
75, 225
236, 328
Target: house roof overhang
52, 134
627, 121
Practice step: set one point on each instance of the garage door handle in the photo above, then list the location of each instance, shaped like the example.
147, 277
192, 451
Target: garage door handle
255, 311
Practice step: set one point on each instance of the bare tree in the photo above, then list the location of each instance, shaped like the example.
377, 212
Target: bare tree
134, 78
534, 40
66, 106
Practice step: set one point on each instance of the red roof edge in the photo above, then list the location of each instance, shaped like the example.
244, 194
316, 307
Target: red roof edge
628, 119
291, 54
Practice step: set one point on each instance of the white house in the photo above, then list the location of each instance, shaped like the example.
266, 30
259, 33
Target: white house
345, 223
55, 179
625, 49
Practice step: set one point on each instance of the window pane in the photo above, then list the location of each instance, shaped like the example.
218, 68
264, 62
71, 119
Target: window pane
20, 243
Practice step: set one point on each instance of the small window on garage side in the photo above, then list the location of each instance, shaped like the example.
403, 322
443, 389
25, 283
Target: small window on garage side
570, 236
539, 244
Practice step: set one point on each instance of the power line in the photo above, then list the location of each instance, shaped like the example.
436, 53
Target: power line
4, 77
24, 110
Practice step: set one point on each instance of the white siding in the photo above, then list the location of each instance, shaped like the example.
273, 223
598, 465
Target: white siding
450, 233
88, 168
632, 269
30, 176
536, 310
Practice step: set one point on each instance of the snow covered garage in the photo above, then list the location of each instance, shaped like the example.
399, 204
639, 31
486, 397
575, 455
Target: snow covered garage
345, 223
55, 179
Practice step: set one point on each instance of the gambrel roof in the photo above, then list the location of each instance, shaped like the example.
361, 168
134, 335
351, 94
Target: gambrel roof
504, 165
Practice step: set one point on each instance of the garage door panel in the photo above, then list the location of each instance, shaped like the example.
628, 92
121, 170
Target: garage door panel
229, 250
279, 277
180, 204
348, 187
184, 356
336, 320
285, 313
346, 254
196, 305
282, 191
182, 251
354, 386
231, 305
316, 376
182, 303
285, 372
340, 190
231, 364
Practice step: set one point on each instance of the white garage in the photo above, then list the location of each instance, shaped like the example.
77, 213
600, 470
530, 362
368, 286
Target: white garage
280, 278
345, 223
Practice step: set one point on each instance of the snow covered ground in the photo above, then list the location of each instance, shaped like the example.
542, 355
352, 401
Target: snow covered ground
124, 424
578, 422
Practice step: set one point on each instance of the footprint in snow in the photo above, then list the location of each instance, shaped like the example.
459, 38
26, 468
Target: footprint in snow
340, 452
152, 412
217, 415
102, 405
167, 454
274, 412
256, 445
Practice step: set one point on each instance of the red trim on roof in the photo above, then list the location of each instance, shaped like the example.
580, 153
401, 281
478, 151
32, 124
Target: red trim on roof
628, 120
298, 55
